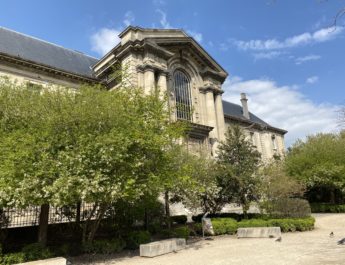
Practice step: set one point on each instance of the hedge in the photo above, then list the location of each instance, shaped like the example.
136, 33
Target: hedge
222, 226
236, 216
179, 219
285, 224
327, 208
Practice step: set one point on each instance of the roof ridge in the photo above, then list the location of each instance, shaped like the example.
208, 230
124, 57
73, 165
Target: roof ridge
51, 43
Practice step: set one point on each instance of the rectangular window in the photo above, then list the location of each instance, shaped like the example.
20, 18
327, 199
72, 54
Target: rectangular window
274, 142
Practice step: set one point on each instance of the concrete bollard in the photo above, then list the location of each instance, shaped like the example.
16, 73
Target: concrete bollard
258, 232
162, 247
53, 261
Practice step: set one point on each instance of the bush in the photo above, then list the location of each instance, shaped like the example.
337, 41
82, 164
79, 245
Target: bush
289, 208
236, 216
286, 224
223, 226
179, 219
12, 258
327, 208
104, 246
135, 238
36, 251
181, 232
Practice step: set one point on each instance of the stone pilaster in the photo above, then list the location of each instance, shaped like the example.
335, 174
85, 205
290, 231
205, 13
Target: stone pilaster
220, 116
211, 113
149, 80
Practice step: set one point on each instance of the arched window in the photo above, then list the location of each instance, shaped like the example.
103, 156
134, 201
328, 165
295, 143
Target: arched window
182, 96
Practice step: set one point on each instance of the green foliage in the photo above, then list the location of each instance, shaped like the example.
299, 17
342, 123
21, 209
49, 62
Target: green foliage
104, 246
179, 219
12, 258
319, 161
286, 224
135, 238
181, 232
123, 214
222, 226
61, 146
239, 160
327, 208
36, 251
289, 208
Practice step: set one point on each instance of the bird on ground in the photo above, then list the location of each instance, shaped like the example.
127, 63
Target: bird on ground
341, 241
331, 234
279, 239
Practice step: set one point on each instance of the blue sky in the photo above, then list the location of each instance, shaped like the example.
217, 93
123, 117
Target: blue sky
281, 53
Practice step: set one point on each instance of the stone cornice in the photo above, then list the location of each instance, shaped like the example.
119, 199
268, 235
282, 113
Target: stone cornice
198, 130
211, 88
151, 67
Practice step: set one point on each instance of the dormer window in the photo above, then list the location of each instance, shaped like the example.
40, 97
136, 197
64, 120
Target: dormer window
183, 97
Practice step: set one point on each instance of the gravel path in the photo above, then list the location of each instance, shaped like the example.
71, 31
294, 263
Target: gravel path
302, 248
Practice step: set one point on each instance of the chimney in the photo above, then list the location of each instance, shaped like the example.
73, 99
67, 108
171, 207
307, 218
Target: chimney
245, 105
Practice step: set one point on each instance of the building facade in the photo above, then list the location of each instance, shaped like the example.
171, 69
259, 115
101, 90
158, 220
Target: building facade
164, 59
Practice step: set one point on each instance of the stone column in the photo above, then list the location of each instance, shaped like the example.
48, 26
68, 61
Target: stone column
162, 83
211, 113
149, 80
220, 116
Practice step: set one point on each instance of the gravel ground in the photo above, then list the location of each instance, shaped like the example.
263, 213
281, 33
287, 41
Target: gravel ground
302, 248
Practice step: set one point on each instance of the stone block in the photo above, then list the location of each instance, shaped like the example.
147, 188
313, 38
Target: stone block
250, 232
162, 247
53, 261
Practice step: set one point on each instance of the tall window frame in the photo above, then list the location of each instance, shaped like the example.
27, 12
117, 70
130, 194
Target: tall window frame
183, 95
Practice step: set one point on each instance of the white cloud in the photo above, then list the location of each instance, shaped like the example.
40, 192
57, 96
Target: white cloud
267, 55
196, 35
283, 107
104, 40
312, 57
312, 79
129, 18
320, 35
163, 21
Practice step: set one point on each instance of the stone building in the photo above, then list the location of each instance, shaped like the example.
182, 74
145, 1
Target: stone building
164, 58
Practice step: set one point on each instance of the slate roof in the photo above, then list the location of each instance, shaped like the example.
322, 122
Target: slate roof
41, 52
235, 110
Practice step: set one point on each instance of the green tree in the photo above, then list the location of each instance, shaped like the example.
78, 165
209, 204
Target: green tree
277, 186
239, 160
60, 147
319, 161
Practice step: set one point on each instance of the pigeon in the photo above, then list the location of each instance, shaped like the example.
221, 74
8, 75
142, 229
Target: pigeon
331, 234
279, 239
341, 242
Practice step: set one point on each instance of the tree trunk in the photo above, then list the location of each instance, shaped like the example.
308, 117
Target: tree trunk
43, 224
96, 222
167, 209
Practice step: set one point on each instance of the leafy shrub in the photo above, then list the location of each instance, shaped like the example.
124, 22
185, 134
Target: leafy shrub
181, 232
196, 229
289, 208
179, 219
12, 258
286, 224
236, 216
327, 208
104, 246
222, 226
135, 238
36, 251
